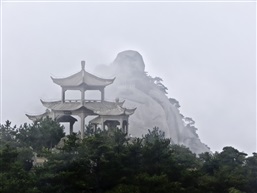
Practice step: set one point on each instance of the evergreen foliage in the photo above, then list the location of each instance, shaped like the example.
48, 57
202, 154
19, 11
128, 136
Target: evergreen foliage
104, 163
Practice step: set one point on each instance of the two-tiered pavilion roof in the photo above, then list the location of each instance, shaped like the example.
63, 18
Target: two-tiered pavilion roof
82, 79
106, 112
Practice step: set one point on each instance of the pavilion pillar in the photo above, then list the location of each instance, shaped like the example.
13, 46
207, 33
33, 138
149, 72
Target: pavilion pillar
102, 123
95, 127
54, 115
121, 125
102, 94
63, 95
71, 127
82, 126
127, 125
82, 95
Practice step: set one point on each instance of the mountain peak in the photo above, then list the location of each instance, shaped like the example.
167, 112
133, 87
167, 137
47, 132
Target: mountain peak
130, 61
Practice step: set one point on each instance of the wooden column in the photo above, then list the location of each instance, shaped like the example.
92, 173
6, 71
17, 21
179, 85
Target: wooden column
63, 95
121, 125
102, 123
82, 96
95, 127
71, 127
127, 126
102, 94
82, 126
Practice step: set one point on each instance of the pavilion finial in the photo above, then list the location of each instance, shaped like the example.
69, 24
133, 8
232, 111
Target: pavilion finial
83, 65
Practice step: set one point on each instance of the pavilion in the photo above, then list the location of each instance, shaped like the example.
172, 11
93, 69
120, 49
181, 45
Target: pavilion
109, 114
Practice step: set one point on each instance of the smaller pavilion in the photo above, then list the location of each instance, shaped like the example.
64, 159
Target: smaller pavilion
109, 114
48, 113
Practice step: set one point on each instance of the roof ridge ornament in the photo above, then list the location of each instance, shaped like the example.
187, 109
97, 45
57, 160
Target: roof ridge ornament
83, 63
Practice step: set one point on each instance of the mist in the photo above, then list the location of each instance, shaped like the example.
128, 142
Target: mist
204, 52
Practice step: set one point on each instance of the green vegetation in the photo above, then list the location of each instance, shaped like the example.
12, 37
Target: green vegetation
112, 163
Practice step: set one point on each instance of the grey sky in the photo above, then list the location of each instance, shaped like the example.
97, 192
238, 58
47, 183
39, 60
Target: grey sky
205, 53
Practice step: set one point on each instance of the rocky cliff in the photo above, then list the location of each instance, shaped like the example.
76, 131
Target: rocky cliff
148, 94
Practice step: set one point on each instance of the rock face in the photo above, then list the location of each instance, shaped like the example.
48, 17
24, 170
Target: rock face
153, 106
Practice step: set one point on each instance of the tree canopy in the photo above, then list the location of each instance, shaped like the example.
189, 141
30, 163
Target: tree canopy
104, 163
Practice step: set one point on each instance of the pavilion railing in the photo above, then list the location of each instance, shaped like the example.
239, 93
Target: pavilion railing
79, 100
